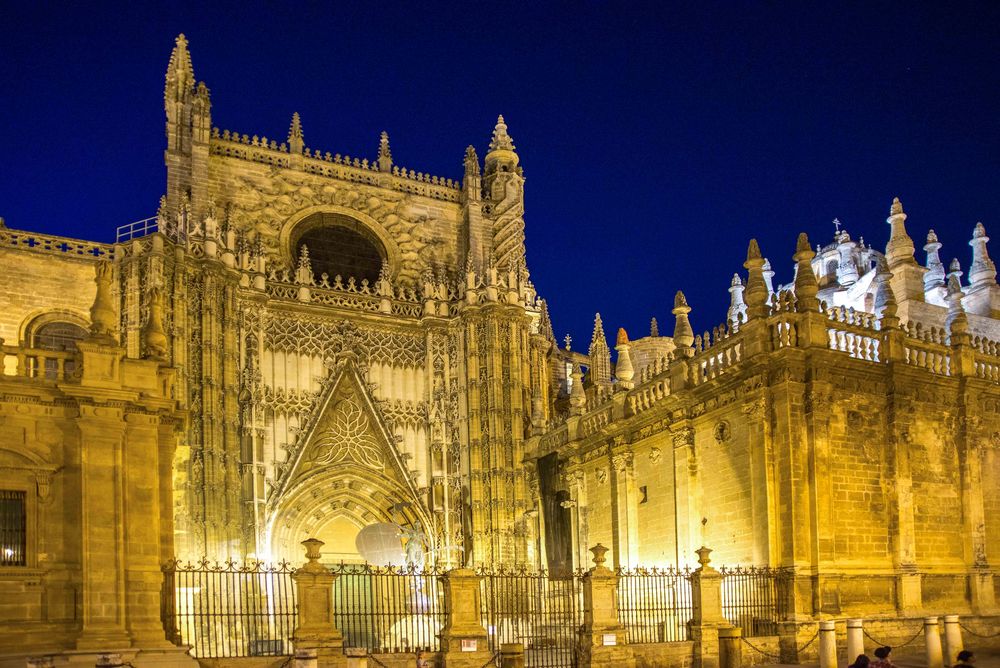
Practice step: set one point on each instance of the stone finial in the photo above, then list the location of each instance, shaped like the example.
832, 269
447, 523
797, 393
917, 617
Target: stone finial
806, 285
756, 293
501, 141
982, 271
737, 307
954, 269
295, 140
654, 327
304, 272
577, 395
956, 321
885, 299
471, 161
152, 333
935, 276
600, 354
384, 153
703, 558
313, 555
683, 334
103, 324
624, 370
599, 552
180, 72
900, 248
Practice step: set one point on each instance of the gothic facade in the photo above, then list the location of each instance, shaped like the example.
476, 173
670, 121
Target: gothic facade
304, 344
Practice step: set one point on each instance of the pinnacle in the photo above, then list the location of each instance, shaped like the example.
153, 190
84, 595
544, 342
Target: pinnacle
622, 337
180, 72
802, 245
680, 300
979, 231
598, 336
501, 141
897, 207
737, 281
384, 152
931, 237
295, 129
753, 250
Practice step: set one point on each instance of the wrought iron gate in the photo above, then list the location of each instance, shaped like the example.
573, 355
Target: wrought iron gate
530, 608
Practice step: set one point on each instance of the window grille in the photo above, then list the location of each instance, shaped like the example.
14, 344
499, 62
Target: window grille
13, 528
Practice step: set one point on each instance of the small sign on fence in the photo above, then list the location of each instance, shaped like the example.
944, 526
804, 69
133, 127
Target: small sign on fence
610, 639
470, 645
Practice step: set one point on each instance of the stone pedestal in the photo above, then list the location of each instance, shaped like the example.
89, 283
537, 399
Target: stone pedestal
983, 593
464, 642
316, 630
602, 640
909, 597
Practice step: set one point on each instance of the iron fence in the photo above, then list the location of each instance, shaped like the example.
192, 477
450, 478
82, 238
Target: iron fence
388, 609
654, 605
229, 609
540, 612
755, 597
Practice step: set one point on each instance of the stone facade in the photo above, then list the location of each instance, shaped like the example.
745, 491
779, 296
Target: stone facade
302, 344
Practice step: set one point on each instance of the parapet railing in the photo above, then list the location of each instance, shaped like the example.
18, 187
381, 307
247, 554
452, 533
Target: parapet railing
855, 333
136, 230
36, 363
63, 246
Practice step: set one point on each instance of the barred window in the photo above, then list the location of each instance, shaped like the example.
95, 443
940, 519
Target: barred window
13, 528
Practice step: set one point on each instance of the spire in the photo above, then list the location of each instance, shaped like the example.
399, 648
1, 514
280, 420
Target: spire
806, 286
982, 272
545, 326
683, 334
295, 142
577, 395
304, 272
501, 141
624, 371
900, 249
384, 154
756, 293
180, 72
152, 333
934, 278
600, 355
737, 307
654, 328
471, 161
768, 274
883, 288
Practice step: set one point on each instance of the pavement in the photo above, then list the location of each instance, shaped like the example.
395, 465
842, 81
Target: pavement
986, 658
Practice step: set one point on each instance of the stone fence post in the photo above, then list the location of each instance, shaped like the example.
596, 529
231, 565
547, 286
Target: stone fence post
602, 640
706, 611
952, 639
464, 642
731, 647
314, 593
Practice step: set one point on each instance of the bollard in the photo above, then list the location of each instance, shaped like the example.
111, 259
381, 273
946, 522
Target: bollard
828, 644
730, 647
932, 638
952, 639
512, 655
306, 658
855, 639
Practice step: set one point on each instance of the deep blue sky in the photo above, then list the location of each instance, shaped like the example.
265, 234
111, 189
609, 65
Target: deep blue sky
656, 138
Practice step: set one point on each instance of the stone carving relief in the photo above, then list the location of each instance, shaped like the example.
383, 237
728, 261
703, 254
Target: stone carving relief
325, 337
655, 455
346, 436
722, 432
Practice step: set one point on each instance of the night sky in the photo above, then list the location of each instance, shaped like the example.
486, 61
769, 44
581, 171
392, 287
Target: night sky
656, 138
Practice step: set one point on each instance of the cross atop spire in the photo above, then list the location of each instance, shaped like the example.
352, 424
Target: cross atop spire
836, 226
501, 141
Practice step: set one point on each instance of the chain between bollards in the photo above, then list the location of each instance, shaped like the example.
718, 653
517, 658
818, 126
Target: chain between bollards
885, 644
978, 635
778, 656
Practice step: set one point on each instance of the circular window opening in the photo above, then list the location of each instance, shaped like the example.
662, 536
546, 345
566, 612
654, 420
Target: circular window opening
341, 247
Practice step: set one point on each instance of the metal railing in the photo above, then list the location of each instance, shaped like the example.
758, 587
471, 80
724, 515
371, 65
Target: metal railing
755, 597
541, 613
136, 230
388, 609
654, 605
230, 610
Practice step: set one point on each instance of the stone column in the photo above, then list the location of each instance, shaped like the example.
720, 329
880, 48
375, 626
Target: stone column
464, 642
952, 639
602, 639
932, 641
103, 605
314, 592
762, 474
855, 639
687, 513
626, 502
828, 644
903, 540
706, 619
731, 647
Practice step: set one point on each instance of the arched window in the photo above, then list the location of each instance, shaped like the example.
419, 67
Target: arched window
340, 246
58, 336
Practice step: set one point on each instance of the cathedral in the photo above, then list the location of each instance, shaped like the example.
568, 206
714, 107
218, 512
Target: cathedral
303, 344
